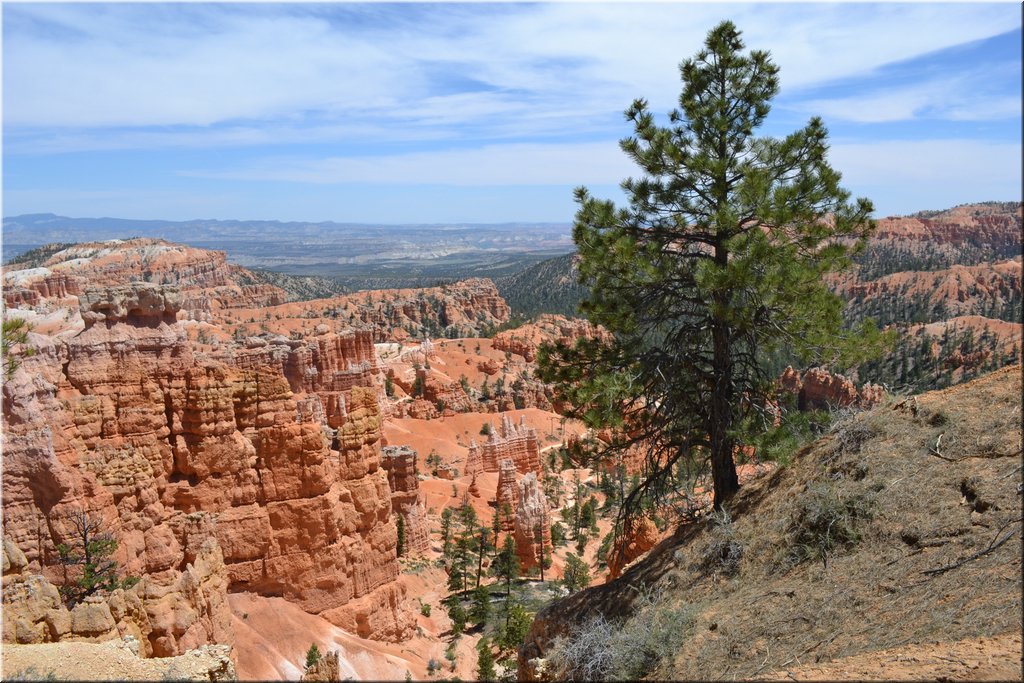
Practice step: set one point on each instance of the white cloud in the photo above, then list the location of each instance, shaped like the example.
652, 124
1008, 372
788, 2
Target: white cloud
199, 65
964, 97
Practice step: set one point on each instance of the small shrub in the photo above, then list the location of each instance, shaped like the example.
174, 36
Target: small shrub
312, 655
425, 609
30, 673
724, 552
851, 435
824, 523
600, 649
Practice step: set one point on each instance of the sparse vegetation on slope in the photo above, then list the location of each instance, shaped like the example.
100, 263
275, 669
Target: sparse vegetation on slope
926, 490
34, 258
298, 287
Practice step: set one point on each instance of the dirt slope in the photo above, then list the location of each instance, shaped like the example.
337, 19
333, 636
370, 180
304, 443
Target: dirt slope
928, 489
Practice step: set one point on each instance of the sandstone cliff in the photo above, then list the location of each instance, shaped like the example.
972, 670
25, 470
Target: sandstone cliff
820, 389
265, 463
208, 283
547, 329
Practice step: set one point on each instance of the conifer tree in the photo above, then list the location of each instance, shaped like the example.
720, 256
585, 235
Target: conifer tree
506, 565
717, 263
485, 661
446, 532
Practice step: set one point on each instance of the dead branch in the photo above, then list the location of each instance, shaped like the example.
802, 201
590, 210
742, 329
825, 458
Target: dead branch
991, 547
934, 450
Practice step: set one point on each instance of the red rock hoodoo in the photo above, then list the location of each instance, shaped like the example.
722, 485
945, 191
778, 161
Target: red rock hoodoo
532, 527
515, 442
400, 464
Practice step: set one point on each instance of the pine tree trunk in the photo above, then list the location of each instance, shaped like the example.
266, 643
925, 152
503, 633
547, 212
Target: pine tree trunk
723, 468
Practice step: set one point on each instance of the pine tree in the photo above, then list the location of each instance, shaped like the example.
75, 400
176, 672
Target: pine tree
576, 575
312, 655
480, 611
446, 532
485, 661
717, 263
15, 335
91, 552
506, 565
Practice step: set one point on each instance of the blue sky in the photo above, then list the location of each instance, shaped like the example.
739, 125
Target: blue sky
486, 112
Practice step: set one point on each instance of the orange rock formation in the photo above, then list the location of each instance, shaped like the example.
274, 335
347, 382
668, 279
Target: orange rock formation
552, 329
532, 527
515, 442
194, 461
819, 388
507, 497
400, 464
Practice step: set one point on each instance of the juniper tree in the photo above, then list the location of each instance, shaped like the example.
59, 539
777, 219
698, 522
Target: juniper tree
715, 266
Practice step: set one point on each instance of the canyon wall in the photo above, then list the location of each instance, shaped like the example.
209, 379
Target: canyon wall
263, 466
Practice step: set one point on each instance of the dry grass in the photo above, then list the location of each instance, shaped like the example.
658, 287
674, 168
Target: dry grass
909, 502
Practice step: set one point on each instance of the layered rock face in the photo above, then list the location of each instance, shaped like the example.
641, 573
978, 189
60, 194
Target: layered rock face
29, 287
208, 283
819, 389
400, 464
211, 475
461, 309
550, 329
158, 618
532, 528
994, 225
507, 496
327, 365
518, 443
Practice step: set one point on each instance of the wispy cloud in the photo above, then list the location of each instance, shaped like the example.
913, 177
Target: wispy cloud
76, 67
509, 164
184, 109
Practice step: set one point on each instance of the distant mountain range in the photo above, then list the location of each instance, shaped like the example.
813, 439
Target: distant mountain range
357, 250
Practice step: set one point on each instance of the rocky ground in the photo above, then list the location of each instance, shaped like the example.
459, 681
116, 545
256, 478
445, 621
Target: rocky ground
112, 661
976, 659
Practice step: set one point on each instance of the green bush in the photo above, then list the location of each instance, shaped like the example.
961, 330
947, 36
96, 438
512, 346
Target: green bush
312, 655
